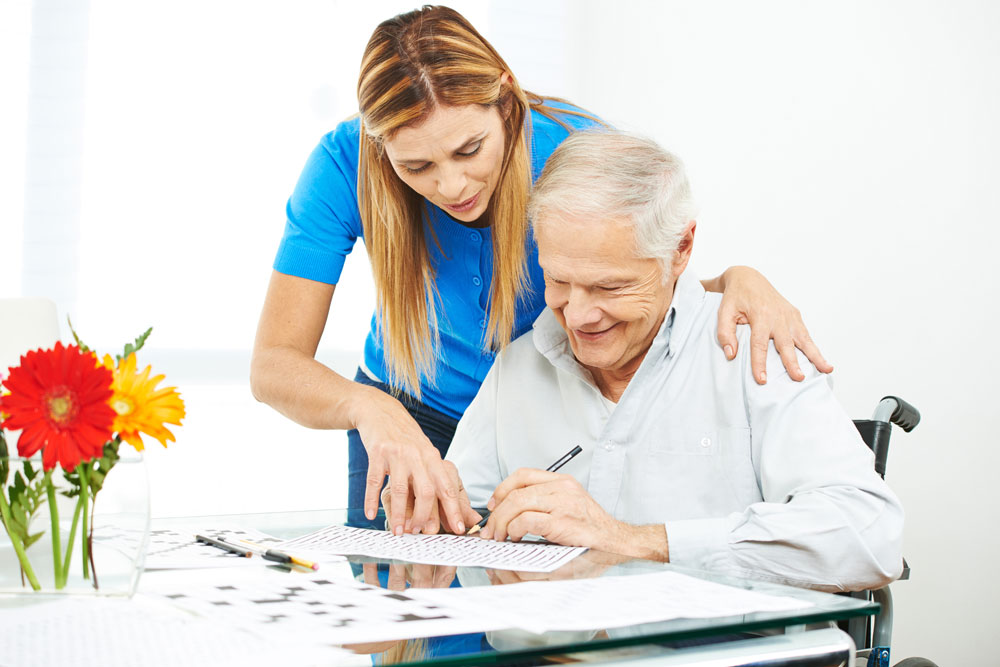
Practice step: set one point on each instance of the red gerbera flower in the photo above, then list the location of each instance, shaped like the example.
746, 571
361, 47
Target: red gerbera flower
59, 400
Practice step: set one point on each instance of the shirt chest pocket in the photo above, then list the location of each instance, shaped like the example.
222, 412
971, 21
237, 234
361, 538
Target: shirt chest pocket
713, 466
713, 441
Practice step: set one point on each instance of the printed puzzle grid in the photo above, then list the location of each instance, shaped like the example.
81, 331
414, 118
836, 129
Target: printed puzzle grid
123, 633
314, 607
458, 550
171, 548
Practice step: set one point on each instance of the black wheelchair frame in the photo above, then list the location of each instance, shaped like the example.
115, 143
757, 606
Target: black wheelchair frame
873, 635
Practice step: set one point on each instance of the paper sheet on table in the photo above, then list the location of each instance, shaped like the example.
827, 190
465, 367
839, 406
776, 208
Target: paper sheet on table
610, 602
459, 550
312, 606
122, 633
177, 548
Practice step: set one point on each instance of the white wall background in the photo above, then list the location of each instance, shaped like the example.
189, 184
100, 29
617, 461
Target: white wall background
848, 150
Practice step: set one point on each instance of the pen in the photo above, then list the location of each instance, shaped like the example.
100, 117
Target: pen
565, 459
225, 546
282, 557
559, 463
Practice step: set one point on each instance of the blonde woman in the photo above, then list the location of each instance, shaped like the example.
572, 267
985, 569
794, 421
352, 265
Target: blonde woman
433, 175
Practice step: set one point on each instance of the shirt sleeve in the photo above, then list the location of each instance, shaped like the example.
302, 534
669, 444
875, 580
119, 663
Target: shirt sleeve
322, 217
473, 450
828, 520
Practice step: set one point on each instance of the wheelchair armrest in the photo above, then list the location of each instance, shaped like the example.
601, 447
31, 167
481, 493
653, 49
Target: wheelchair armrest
906, 571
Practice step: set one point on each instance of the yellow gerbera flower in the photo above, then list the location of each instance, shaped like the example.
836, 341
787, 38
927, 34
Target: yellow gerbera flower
140, 406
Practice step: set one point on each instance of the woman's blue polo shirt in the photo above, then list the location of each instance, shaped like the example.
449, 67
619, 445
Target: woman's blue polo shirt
323, 224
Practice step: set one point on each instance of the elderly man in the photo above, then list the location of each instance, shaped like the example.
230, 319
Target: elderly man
685, 457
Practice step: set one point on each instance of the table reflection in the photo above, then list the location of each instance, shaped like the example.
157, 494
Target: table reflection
402, 576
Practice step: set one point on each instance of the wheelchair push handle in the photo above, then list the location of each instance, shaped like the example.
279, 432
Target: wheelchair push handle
899, 412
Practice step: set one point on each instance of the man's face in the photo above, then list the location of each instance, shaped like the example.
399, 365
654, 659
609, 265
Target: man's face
610, 302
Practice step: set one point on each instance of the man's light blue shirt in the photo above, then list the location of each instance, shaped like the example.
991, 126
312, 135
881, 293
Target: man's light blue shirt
765, 481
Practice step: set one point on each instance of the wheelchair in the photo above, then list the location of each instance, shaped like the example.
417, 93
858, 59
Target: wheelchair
873, 635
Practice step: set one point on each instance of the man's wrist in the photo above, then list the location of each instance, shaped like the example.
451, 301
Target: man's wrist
646, 542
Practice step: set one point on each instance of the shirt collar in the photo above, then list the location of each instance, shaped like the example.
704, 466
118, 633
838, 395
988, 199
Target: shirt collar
551, 341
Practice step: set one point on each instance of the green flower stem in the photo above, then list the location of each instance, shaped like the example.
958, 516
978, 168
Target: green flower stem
50, 491
22, 557
85, 501
64, 575
90, 538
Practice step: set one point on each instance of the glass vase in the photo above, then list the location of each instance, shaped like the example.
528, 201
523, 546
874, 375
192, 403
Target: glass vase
103, 555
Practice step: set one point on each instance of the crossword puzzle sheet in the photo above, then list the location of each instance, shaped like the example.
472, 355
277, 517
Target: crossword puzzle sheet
177, 547
459, 550
171, 548
312, 609
312, 606
124, 633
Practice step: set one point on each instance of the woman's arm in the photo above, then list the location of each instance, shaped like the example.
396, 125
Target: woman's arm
748, 298
285, 375
283, 371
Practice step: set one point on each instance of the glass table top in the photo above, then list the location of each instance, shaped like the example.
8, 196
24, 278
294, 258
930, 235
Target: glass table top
512, 645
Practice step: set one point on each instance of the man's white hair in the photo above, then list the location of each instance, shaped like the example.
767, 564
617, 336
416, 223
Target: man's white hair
605, 175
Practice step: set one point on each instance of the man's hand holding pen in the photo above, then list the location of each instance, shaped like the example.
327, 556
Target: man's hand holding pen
544, 503
558, 508
553, 506
558, 463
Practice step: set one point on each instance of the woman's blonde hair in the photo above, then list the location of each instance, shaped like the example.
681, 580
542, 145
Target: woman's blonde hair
414, 63
408, 650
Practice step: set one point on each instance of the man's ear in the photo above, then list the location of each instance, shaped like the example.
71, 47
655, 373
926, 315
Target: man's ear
684, 248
